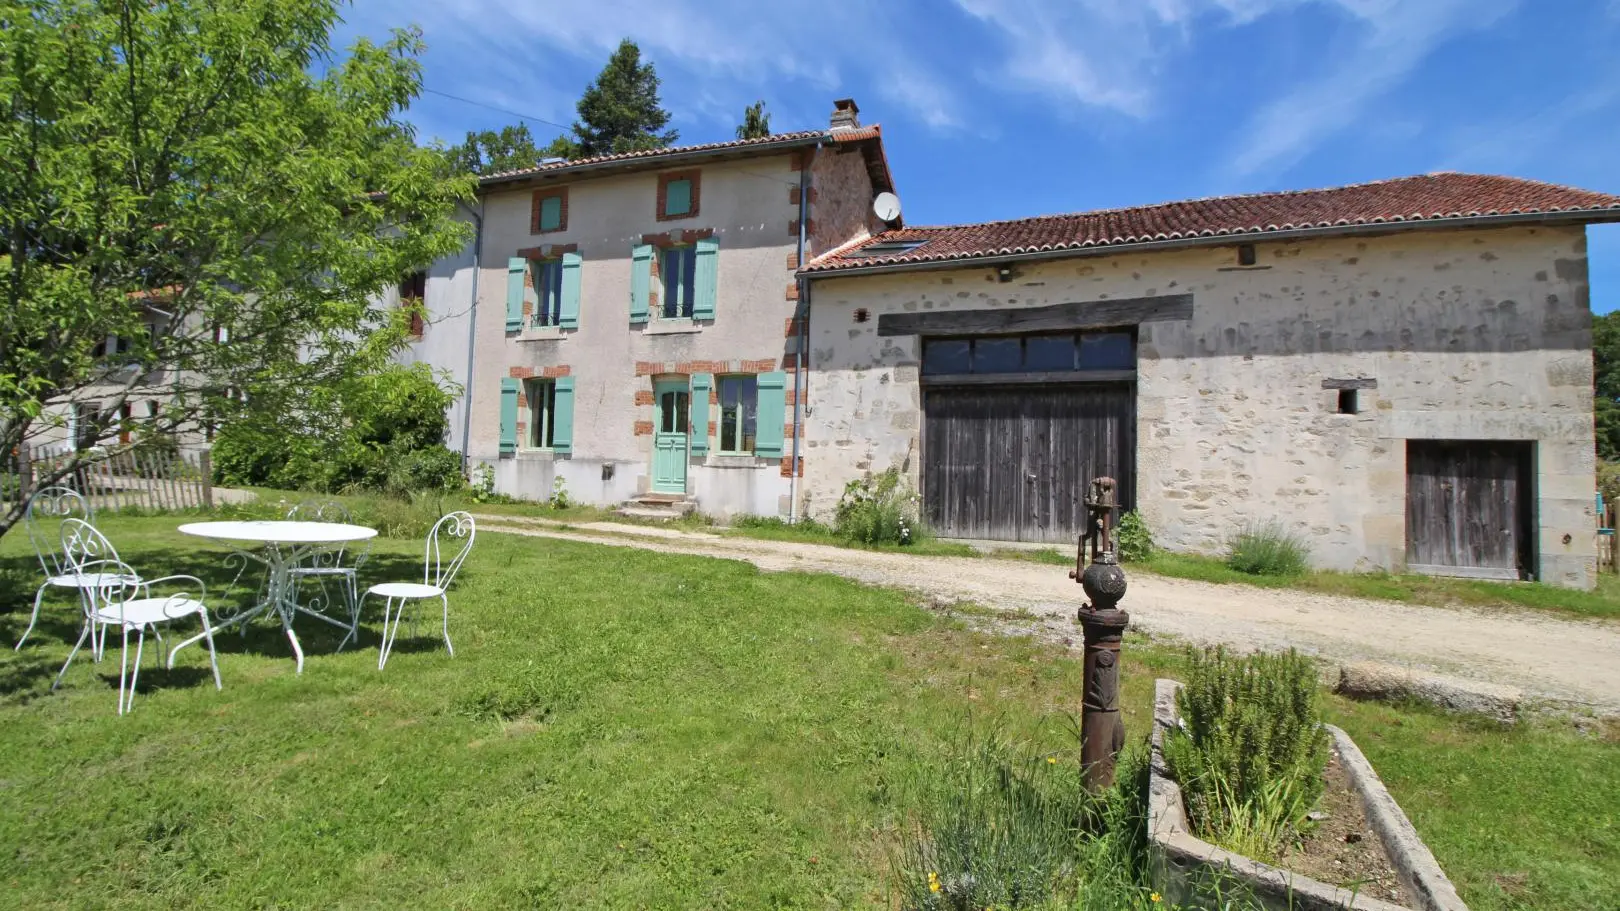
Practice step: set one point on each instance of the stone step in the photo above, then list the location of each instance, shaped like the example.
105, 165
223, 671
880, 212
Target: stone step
659, 513
660, 506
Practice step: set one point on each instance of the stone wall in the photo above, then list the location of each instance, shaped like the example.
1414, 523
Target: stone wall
840, 198
1478, 334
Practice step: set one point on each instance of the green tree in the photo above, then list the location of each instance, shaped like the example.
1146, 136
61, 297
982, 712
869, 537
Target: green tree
179, 177
381, 430
1606, 383
756, 122
619, 112
488, 151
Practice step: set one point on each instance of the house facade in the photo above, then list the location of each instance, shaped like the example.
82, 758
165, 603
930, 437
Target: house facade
1398, 372
638, 324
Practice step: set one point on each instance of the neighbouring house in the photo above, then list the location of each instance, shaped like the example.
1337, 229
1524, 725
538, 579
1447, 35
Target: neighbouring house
87, 418
440, 330
638, 326
1401, 371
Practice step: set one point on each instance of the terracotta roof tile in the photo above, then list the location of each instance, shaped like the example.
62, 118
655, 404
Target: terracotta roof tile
802, 136
1424, 198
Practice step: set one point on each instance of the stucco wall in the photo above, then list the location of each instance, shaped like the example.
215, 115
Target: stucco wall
1481, 334
444, 334
748, 204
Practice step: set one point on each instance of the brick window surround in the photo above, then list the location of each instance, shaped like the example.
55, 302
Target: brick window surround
538, 199
695, 176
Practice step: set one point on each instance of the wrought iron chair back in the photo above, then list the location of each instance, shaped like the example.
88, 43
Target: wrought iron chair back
43, 519
116, 583
452, 537
329, 556
82, 544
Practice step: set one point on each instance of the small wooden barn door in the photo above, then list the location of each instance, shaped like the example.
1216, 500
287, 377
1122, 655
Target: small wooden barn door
1468, 508
1012, 463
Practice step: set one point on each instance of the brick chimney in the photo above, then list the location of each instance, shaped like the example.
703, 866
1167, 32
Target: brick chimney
845, 115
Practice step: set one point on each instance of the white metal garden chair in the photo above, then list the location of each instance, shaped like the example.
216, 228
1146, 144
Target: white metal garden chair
339, 562
120, 597
455, 533
47, 509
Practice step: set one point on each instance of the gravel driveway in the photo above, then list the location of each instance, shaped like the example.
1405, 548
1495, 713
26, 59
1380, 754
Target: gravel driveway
1572, 661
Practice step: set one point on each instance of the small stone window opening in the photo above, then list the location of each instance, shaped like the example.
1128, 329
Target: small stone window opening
1348, 403
1246, 256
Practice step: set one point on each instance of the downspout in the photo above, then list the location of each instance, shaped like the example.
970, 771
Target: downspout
802, 316
472, 333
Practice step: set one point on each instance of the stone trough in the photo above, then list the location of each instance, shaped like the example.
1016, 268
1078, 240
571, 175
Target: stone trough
1188, 869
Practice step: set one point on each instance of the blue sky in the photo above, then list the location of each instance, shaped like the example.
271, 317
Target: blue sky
1009, 108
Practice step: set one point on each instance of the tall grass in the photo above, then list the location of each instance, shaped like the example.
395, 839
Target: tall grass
1268, 549
1001, 825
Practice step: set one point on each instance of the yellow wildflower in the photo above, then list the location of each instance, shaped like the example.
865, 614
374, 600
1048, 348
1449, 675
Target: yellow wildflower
1051, 760
933, 881
1155, 898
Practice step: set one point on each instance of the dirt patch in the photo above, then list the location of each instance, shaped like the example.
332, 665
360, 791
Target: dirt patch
1343, 849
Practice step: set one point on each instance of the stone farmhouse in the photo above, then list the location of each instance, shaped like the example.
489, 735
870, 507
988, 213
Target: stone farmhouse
636, 334
1400, 371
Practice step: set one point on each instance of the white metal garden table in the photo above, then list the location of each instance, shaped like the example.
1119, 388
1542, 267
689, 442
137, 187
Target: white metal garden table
279, 546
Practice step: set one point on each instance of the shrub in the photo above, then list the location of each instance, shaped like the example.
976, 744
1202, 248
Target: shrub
1268, 550
878, 510
431, 468
1134, 540
1251, 751
1608, 481
380, 431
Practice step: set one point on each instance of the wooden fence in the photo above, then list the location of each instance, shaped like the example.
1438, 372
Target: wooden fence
1606, 551
119, 478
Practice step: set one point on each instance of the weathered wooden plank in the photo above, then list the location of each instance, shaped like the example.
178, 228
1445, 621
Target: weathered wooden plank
1015, 463
1468, 506
1464, 572
1100, 314
205, 465
1016, 379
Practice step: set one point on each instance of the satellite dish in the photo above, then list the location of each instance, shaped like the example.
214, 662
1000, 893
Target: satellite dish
886, 207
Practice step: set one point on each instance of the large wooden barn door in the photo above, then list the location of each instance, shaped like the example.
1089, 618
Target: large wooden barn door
1468, 508
1012, 463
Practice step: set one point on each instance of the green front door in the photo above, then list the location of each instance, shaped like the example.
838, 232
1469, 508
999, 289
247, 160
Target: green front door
673, 403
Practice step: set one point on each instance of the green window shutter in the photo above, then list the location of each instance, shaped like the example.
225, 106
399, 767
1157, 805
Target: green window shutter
706, 284
562, 416
551, 213
701, 384
516, 268
678, 197
570, 291
772, 403
509, 413
640, 281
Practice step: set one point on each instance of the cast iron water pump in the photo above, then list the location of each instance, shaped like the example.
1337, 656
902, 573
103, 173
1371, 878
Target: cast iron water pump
1102, 732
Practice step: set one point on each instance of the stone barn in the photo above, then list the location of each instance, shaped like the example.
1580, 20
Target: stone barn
1400, 371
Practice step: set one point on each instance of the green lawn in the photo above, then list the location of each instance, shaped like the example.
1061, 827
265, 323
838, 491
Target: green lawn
623, 729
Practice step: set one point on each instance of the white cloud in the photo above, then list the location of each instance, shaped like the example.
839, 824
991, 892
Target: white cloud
1508, 144
1390, 38
1104, 53
714, 57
